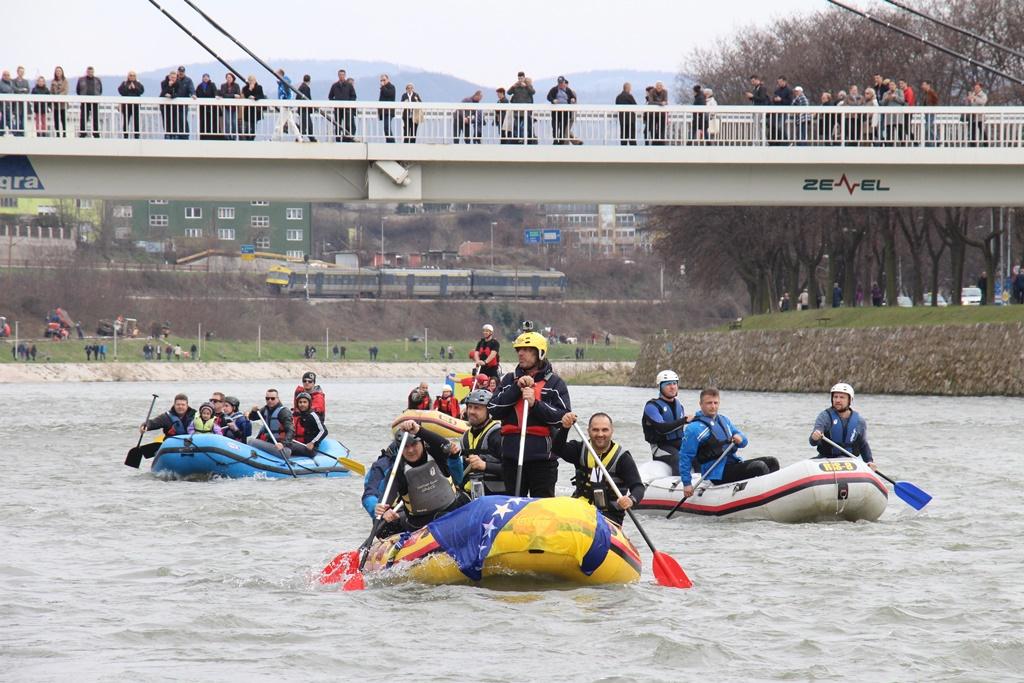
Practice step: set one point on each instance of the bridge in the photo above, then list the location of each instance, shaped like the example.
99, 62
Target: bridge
214, 149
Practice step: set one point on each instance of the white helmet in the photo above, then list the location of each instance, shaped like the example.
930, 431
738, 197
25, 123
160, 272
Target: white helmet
843, 388
667, 376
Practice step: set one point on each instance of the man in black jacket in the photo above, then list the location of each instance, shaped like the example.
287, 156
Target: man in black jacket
534, 382
130, 87
589, 480
481, 447
386, 114
344, 119
522, 92
175, 421
561, 121
627, 121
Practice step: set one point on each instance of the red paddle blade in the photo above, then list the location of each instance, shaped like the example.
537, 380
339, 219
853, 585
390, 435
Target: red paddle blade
356, 582
668, 572
340, 568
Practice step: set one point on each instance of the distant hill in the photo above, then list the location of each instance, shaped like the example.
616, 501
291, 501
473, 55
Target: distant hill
592, 87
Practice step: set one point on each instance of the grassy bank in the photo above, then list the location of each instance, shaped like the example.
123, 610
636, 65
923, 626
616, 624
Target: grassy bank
248, 351
882, 317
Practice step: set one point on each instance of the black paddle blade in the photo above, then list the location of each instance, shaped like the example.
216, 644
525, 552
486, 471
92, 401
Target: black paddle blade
135, 455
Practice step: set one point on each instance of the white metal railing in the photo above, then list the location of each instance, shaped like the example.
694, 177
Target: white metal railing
492, 123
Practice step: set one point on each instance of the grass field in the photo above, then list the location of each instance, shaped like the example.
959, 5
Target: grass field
242, 351
883, 317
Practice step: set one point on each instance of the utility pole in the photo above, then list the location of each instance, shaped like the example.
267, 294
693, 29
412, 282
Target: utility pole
493, 223
382, 219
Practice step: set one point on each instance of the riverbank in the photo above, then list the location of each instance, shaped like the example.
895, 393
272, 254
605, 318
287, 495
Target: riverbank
946, 360
579, 372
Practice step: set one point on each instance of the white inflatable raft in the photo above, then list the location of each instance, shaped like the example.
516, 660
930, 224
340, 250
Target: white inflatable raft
814, 490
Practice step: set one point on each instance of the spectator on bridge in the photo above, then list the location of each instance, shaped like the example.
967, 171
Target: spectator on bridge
502, 119
869, 122
21, 87
699, 122
929, 98
469, 122
411, 118
714, 124
230, 90
40, 110
561, 95
658, 124
208, 119
854, 122
130, 87
522, 92
783, 97
285, 116
251, 115
306, 113
170, 113
758, 93
877, 84
826, 123
89, 85
344, 122
386, 114
627, 120
802, 120
892, 128
186, 89
6, 108
977, 97
59, 86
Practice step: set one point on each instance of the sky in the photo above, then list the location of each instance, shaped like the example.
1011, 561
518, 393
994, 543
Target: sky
484, 41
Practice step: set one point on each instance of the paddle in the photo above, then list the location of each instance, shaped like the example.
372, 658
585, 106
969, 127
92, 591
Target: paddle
522, 446
699, 482
135, 455
666, 570
344, 562
357, 467
284, 456
907, 492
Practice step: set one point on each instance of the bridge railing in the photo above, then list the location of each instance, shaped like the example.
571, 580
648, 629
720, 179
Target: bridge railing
490, 123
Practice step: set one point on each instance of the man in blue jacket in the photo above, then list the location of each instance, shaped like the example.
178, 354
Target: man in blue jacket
707, 437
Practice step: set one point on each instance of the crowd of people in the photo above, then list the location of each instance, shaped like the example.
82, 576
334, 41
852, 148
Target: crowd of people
518, 426
882, 125
273, 427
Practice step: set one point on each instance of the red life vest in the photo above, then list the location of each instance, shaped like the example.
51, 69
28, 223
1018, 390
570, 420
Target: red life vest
449, 406
300, 430
532, 430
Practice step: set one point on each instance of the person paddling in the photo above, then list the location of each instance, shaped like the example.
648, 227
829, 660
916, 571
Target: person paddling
535, 381
275, 417
481, 447
422, 482
707, 437
844, 425
589, 480
664, 419
174, 422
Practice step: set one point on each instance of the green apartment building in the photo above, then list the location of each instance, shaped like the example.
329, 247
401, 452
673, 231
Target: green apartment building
279, 227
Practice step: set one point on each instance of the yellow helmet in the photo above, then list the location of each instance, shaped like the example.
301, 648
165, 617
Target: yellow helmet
532, 340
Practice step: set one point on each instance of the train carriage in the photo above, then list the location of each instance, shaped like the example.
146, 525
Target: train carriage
415, 283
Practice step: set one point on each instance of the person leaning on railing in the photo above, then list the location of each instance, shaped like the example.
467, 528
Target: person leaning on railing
251, 115
208, 119
6, 108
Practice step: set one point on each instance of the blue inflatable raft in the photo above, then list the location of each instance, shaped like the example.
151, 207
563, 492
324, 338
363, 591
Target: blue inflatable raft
202, 456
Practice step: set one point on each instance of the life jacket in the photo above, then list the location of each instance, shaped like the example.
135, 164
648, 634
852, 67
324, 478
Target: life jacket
449, 406
476, 444
488, 354
670, 412
299, 427
178, 427
201, 427
306, 427
590, 475
274, 423
317, 399
845, 434
225, 423
716, 443
424, 403
429, 489
531, 429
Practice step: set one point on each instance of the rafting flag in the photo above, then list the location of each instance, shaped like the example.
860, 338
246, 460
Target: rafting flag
471, 533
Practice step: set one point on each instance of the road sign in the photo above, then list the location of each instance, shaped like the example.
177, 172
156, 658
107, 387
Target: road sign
552, 236
532, 236
248, 252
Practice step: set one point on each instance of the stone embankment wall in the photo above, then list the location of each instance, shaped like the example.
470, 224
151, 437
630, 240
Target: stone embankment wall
950, 360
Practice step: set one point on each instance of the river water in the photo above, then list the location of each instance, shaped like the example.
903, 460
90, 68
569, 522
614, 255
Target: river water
107, 573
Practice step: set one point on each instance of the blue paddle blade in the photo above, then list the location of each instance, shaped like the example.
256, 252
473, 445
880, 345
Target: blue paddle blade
911, 495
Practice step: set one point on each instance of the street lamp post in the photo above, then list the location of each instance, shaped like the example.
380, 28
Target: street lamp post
492, 244
382, 219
